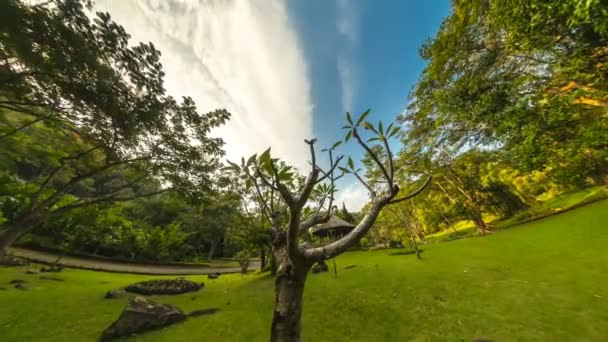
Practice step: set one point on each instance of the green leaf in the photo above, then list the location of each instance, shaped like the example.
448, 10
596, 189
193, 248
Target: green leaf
373, 139
324, 150
343, 169
363, 116
395, 131
285, 175
267, 166
348, 118
347, 138
380, 127
351, 163
265, 157
336, 144
346, 127
234, 165
388, 129
251, 159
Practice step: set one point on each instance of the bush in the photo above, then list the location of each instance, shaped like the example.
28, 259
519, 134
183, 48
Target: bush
244, 259
163, 286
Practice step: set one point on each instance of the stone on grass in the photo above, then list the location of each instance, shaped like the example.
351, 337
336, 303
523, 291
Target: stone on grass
31, 271
319, 267
141, 315
50, 278
52, 269
112, 294
164, 286
213, 275
202, 312
13, 261
17, 281
22, 286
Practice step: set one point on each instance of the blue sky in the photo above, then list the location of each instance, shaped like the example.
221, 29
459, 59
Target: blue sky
287, 70
362, 54
377, 44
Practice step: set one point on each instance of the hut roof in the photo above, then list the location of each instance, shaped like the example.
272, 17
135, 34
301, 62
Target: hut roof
334, 223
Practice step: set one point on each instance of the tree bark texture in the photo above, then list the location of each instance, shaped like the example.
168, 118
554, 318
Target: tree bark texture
14, 231
289, 292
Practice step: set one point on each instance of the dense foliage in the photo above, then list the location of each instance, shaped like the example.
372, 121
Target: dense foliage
512, 109
95, 157
85, 122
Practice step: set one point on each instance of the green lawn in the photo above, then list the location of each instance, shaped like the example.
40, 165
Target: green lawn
544, 281
542, 209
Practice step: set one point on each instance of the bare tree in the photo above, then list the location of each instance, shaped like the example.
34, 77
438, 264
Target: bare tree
289, 222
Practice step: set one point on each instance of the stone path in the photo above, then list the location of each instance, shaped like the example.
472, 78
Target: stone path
113, 266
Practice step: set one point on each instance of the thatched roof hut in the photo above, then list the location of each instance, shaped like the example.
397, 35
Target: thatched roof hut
335, 227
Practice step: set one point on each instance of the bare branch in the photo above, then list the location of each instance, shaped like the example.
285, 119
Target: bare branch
373, 155
312, 177
413, 193
371, 191
331, 170
341, 245
390, 160
266, 210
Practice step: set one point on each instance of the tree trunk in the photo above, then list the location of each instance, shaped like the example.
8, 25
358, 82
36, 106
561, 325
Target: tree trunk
482, 227
14, 231
413, 240
6, 240
289, 291
262, 257
212, 248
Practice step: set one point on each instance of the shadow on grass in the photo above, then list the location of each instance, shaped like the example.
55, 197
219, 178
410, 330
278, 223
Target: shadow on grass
406, 252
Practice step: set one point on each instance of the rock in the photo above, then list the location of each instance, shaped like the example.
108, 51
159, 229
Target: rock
164, 286
52, 269
142, 315
112, 294
13, 261
22, 286
321, 266
202, 312
213, 275
50, 278
349, 267
17, 281
31, 271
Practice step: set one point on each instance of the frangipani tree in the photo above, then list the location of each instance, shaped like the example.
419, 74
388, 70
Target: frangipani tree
296, 204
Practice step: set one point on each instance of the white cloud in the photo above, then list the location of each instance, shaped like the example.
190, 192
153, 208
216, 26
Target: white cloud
240, 55
347, 83
354, 195
347, 26
347, 20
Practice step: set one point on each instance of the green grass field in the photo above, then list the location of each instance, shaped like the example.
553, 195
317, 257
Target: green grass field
543, 281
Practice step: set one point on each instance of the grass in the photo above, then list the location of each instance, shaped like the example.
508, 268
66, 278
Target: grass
544, 208
543, 281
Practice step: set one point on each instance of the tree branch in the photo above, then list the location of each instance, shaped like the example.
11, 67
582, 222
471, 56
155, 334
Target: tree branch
413, 193
372, 154
341, 245
390, 161
110, 198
